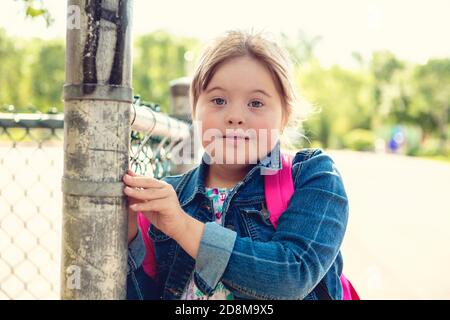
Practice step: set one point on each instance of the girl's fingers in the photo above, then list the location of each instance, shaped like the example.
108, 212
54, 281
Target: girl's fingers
155, 205
146, 194
142, 182
132, 200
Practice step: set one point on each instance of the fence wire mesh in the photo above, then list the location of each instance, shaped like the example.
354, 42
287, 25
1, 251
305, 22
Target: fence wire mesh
31, 167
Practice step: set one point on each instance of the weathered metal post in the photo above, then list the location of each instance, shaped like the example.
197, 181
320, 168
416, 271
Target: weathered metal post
98, 97
180, 107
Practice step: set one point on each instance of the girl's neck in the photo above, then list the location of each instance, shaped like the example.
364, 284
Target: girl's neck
225, 176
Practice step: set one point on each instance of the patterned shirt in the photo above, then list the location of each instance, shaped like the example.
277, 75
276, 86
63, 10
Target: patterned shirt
218, 196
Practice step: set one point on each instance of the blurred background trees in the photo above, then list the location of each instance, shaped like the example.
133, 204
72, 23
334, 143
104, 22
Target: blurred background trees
382, 104
36, 9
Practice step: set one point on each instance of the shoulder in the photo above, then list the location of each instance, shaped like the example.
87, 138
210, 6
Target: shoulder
174, 180
315, 168
177, 181
313, 158
305, 154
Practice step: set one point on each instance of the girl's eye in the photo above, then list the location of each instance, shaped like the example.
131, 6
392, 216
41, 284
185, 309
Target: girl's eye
218, 101
256, 104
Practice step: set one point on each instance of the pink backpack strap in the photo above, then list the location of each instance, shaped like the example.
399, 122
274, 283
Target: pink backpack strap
149, 263
280, 187
348, 292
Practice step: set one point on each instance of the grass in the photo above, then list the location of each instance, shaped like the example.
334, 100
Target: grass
439, 158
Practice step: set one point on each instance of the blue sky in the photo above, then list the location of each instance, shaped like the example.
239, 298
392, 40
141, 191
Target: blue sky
415, 30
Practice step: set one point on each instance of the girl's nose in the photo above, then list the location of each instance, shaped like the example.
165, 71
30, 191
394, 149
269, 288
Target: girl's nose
232, 121
234, 117
235, 114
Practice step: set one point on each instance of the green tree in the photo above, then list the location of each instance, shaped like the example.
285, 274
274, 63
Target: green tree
13, 72
301, 48
343, 98
383, 68
47, 74
159, 58
431, 100
36, 9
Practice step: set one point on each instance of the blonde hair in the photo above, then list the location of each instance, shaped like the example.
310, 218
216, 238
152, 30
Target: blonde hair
237, 43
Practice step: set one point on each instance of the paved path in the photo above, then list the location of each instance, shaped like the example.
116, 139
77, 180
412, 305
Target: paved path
398, 238
396, 246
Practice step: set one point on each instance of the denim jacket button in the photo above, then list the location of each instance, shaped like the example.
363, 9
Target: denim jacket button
174, 291
264, 212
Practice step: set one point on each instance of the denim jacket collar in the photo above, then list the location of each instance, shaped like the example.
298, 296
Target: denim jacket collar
194, 181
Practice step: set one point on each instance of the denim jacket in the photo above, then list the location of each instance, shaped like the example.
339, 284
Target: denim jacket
246, 254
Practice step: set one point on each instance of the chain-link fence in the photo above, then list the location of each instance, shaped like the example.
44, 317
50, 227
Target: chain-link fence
31, 167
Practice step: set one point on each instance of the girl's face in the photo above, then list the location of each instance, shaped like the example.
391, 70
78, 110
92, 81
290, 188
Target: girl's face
241, 100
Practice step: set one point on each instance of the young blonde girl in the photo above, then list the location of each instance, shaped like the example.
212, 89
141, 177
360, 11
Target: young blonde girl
209, 227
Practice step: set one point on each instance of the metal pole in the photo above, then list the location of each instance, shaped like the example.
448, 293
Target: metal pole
160, 125
98, 97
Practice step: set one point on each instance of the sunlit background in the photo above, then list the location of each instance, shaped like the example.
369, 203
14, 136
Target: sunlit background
377, 73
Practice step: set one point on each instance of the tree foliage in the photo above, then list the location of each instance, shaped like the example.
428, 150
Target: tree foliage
36, 9
384, 91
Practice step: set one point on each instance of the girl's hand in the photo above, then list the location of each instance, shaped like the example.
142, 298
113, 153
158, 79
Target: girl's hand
132, 216
157, 200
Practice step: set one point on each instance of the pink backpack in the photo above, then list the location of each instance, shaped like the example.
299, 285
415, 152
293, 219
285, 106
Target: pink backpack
280, 187
149, 263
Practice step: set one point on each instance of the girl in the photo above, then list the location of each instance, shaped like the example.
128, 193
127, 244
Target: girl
209, 227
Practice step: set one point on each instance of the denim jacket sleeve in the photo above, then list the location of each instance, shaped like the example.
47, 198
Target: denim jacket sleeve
213, 256
136, 253
302, 250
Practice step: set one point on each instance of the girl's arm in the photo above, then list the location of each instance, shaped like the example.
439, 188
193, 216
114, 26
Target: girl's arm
189, 237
